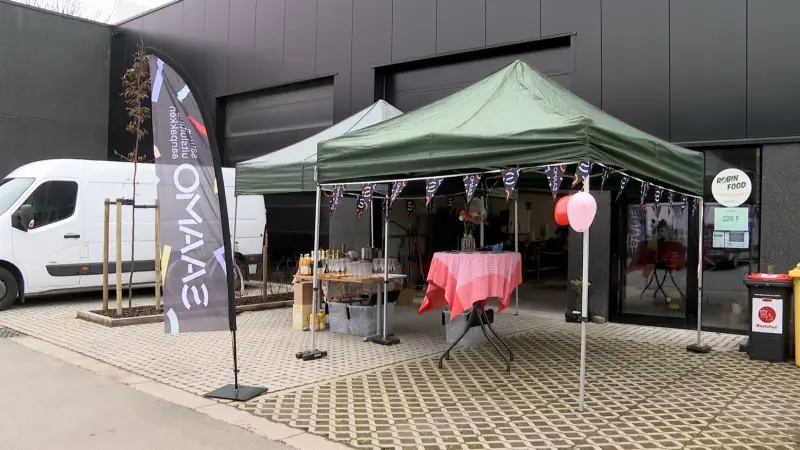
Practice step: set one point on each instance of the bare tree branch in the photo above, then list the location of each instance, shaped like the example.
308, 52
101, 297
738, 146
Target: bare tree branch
76, 8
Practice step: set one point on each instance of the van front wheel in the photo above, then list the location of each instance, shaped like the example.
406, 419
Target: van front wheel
8, 289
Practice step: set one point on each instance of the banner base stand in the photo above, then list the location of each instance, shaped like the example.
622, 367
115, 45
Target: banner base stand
230, 392
380, 340
311, 355
694, 348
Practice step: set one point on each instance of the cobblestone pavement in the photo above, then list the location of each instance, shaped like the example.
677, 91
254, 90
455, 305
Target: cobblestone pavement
640, 395
201, 362
644, 390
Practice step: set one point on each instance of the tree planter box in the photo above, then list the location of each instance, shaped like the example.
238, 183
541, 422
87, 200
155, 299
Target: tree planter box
139, 315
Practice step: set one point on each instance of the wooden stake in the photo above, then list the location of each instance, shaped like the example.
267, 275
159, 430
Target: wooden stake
157, 240
264, 272
119, 257
106, 207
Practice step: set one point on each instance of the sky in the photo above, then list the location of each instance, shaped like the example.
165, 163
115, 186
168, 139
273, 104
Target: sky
115, 10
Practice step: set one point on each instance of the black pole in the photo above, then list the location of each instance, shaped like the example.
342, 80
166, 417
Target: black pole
235, 364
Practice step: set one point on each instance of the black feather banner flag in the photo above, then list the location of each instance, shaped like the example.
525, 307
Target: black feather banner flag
431, 186
409, 206
510, 178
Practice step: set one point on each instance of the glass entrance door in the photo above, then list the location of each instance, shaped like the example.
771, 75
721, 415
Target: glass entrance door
655, 254
654, 269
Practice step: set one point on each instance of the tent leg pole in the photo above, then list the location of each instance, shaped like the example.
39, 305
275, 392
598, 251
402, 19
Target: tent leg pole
584, 307
483, 211
698, 346
371, 224
315, 298
516, 250
383, 337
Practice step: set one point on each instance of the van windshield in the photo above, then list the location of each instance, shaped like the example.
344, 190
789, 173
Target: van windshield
11, 189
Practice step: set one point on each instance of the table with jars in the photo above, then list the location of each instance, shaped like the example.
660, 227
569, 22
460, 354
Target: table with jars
345, 276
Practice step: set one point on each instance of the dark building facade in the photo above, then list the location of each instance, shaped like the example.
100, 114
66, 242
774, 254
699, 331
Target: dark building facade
54, 78
714, 75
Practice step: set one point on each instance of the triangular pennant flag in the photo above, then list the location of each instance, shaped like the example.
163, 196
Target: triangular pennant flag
471, 185
683, 203
558, 176
432, 206
622, 184
643, 193
409, 206
397, 188
656, 199
431, 186
671, 200
387, 209
581, 172
361, 207
336, 198
548, 172
510, 178
604, 177
367, 190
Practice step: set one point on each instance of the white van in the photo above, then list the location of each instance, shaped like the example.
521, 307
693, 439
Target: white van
64, 250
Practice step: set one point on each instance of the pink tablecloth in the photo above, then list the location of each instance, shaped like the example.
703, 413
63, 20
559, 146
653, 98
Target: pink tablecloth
457, 280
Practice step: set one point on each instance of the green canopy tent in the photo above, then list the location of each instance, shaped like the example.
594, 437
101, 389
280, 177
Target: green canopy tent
514, 118
291, 169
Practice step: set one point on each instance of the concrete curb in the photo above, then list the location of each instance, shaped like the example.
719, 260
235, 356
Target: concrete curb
222, 410
127, 321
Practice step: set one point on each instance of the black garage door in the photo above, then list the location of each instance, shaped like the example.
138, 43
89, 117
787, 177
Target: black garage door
269, 121
411, 89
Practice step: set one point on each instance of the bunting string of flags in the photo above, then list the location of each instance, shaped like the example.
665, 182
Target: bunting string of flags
554, 173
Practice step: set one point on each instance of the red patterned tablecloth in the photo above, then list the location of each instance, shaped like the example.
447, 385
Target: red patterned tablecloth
457, 280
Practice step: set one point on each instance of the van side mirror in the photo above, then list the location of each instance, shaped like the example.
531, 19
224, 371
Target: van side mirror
22, 219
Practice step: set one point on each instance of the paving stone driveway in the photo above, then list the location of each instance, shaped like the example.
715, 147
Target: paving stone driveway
644, 390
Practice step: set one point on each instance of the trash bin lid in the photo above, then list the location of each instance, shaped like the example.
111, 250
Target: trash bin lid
769, 277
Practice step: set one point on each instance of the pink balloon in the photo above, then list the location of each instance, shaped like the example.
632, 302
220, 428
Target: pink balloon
581, 210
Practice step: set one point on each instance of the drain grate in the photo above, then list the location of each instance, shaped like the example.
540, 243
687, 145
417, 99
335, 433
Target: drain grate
9, 333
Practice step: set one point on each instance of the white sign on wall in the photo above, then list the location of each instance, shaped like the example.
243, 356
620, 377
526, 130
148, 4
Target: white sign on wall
731, 187
767, 315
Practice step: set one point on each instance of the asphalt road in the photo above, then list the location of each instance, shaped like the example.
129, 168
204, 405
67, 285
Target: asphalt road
47, 404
